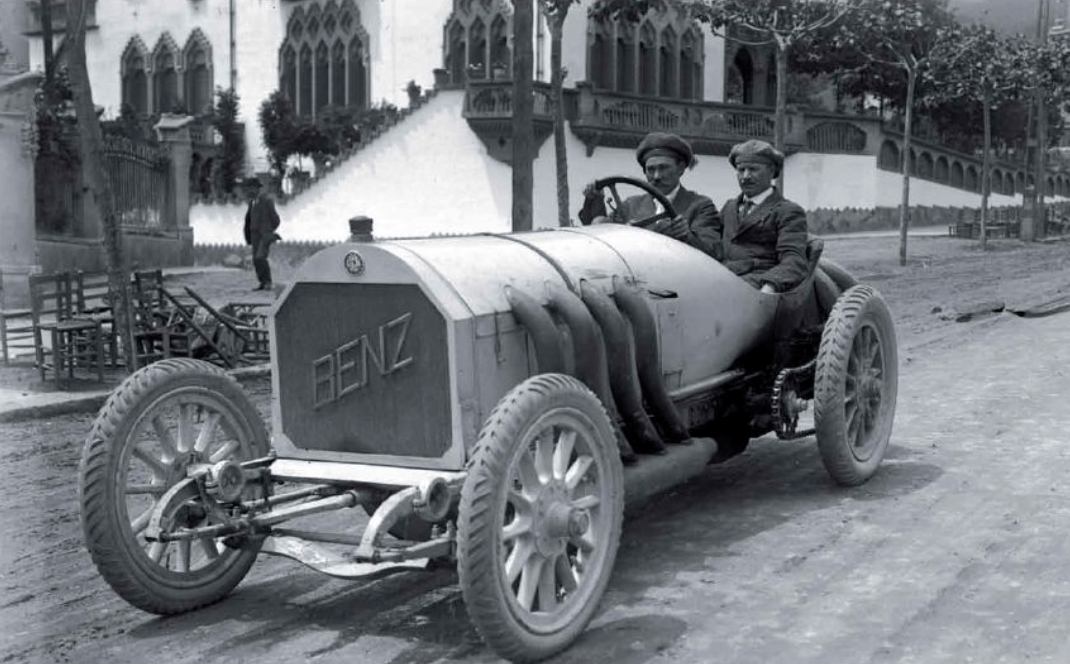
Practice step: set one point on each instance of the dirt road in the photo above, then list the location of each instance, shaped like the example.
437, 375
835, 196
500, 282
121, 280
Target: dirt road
954, 552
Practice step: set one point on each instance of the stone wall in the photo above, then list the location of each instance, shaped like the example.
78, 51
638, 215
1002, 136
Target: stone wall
824, 221
141, 249
18, 247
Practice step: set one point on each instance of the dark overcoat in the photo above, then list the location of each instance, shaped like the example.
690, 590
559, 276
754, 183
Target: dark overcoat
701, 214
261, 222
768, 246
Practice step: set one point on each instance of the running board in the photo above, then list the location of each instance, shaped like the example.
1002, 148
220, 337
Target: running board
655, 473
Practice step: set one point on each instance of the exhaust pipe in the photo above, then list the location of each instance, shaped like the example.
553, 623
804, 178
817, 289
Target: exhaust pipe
541, 327
648, 362
623, 378
590, 356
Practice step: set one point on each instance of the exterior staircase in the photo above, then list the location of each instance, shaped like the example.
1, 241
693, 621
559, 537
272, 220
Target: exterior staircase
297, 187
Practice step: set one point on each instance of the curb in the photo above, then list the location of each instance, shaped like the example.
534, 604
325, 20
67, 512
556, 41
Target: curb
86, 404
93, 402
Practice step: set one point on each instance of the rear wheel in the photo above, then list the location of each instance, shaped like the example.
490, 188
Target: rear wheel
855, 385
160, 420
540, 518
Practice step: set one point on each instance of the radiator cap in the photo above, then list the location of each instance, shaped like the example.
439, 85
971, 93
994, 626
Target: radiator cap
360, 229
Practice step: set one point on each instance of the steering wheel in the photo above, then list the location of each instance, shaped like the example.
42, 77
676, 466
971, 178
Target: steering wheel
668, 211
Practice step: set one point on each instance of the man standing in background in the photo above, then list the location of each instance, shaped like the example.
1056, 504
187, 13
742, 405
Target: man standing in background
261, 221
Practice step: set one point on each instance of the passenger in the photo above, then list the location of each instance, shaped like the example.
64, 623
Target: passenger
764, 235
664, 158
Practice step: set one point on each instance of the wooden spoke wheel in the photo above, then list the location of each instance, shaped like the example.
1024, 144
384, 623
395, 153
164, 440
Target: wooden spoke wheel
855, 385
163, 418
540, 517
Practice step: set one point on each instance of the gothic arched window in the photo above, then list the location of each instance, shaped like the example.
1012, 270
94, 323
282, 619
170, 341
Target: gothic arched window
667, 57
323, 77
500, 55
322, 61
358, 77
743, 72
338, 74
304, 81
198, 85
625, 57
134, 77
457, 54
601, 57
690, 83
289, 74
165, 65
648, 60
477, 50
663, 55
472, 49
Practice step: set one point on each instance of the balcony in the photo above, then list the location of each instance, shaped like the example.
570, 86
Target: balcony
620, 120
601, 118
58, 12
488, 108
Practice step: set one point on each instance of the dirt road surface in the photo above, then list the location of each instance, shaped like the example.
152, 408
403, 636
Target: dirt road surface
955, 552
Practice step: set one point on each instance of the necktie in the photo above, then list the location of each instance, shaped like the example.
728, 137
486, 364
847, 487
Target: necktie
745, 207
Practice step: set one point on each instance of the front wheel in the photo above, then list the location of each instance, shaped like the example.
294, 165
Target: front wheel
540, 518
163, 418
855, 383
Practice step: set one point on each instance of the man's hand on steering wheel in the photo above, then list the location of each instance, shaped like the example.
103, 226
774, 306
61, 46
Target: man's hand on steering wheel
677, 228
667, 217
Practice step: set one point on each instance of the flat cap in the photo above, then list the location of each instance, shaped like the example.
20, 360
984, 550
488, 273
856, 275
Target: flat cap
755, 150
659, 143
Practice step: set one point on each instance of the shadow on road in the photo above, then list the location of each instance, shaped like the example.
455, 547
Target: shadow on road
285, 608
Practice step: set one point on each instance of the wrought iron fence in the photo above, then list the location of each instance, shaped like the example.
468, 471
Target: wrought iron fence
139, 180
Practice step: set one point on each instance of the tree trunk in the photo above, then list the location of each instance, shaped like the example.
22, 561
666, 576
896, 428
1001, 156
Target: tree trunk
47, 40
523, 111
1041, 224
781, 120
986, 170
904, 206
557, 82
96, 176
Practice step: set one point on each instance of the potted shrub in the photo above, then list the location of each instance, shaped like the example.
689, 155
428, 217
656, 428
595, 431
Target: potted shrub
415, 93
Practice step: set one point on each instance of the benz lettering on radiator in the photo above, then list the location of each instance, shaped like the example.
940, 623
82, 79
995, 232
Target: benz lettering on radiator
345, 369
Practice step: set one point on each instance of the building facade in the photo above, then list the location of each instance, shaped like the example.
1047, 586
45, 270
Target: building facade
664, 72
170, 57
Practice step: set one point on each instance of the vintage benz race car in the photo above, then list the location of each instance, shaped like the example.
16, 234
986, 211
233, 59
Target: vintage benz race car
491, 401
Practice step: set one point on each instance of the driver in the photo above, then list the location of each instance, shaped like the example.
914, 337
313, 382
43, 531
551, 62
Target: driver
664, 158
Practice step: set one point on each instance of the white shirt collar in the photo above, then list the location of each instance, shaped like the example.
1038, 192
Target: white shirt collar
658, 209
760, 198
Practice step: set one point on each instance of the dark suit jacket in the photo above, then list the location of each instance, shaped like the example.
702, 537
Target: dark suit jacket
701, 214
768, 246
261, 220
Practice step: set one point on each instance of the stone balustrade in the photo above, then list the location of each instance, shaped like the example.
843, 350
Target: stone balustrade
620, 120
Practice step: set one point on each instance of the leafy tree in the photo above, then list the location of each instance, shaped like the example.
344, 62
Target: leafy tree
778, 23
1049, 82
127, 125
982, 66
898, 35
278, 126
342, 126
225, 120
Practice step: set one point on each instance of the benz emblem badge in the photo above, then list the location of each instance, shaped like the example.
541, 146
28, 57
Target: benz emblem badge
354, 263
